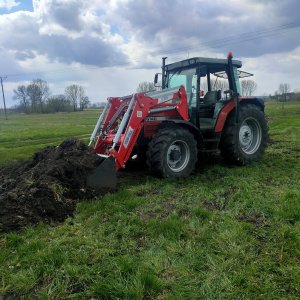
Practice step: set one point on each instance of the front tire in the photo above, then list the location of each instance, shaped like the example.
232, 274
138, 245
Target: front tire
246, 141
172, 153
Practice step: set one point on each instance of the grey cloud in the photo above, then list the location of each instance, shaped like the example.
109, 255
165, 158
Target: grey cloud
86, 50
288, 10
218, 25
65, 14
25, 40
24, 55
8, 63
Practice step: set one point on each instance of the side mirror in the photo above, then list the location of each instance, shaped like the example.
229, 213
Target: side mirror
156, 79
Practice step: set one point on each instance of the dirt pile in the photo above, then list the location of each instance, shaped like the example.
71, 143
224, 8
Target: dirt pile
47, 187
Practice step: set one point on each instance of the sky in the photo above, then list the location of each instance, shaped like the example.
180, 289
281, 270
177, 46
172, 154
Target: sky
110, 46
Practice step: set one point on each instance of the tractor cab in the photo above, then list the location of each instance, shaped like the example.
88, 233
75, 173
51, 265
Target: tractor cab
209, 83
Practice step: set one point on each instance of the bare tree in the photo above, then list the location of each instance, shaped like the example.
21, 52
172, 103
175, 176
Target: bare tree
21, 94
75, 93
145, 86
283, 90
249, 86
33, 93
38, 92
220, 84
44, 90
58, 103
84, 102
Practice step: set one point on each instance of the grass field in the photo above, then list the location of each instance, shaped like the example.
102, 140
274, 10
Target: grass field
225, 233
21, 135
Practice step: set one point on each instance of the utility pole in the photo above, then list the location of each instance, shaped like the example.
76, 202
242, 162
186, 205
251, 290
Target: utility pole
1, 78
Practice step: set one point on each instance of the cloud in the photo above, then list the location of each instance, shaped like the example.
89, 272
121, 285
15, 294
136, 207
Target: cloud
110, 33
182, 26
64, 31
8, 64
66, 14
8, 4
109, 46
270, 70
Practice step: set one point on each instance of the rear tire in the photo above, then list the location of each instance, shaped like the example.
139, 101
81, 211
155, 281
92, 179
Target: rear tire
172, 153
246, 141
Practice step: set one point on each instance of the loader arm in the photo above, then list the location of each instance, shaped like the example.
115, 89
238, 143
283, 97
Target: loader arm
120, 125
139, 107
126, 142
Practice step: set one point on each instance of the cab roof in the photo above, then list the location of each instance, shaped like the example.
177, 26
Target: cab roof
212, 64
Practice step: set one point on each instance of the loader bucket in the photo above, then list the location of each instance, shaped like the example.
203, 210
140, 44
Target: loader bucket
104, 176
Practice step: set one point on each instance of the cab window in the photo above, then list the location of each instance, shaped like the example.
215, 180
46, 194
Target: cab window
187, 78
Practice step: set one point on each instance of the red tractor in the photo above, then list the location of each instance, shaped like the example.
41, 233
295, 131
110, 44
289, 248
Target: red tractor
168, 128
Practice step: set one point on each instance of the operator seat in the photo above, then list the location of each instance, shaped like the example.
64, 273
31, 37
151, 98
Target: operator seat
211, 98
207, 116
207, 104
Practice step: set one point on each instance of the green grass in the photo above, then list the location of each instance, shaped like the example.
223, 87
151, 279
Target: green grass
21, 135
225, 233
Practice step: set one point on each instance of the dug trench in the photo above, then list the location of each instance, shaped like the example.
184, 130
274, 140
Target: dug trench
47, 187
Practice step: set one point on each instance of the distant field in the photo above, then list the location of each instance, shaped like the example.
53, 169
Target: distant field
21, 135
225, 233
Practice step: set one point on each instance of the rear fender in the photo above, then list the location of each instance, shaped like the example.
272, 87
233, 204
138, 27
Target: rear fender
253, 100
230, 106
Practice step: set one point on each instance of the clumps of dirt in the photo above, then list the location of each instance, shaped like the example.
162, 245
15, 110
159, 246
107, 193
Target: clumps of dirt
220, 201
255, 219
47, 187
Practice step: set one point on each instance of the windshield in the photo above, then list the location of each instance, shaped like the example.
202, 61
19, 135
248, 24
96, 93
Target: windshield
187, 78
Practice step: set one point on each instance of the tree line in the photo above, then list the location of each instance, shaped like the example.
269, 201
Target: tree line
248, 86
36, 98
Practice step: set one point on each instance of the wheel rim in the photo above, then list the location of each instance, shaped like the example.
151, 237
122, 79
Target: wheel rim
178, 156
250, 135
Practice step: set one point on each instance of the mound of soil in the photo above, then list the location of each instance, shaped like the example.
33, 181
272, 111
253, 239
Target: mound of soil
47, 187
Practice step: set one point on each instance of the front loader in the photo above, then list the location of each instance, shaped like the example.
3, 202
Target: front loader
168, 128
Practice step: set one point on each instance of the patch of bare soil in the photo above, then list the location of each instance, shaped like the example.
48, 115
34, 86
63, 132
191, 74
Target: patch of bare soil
255, 219
219, 202
47, 187
163, 209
